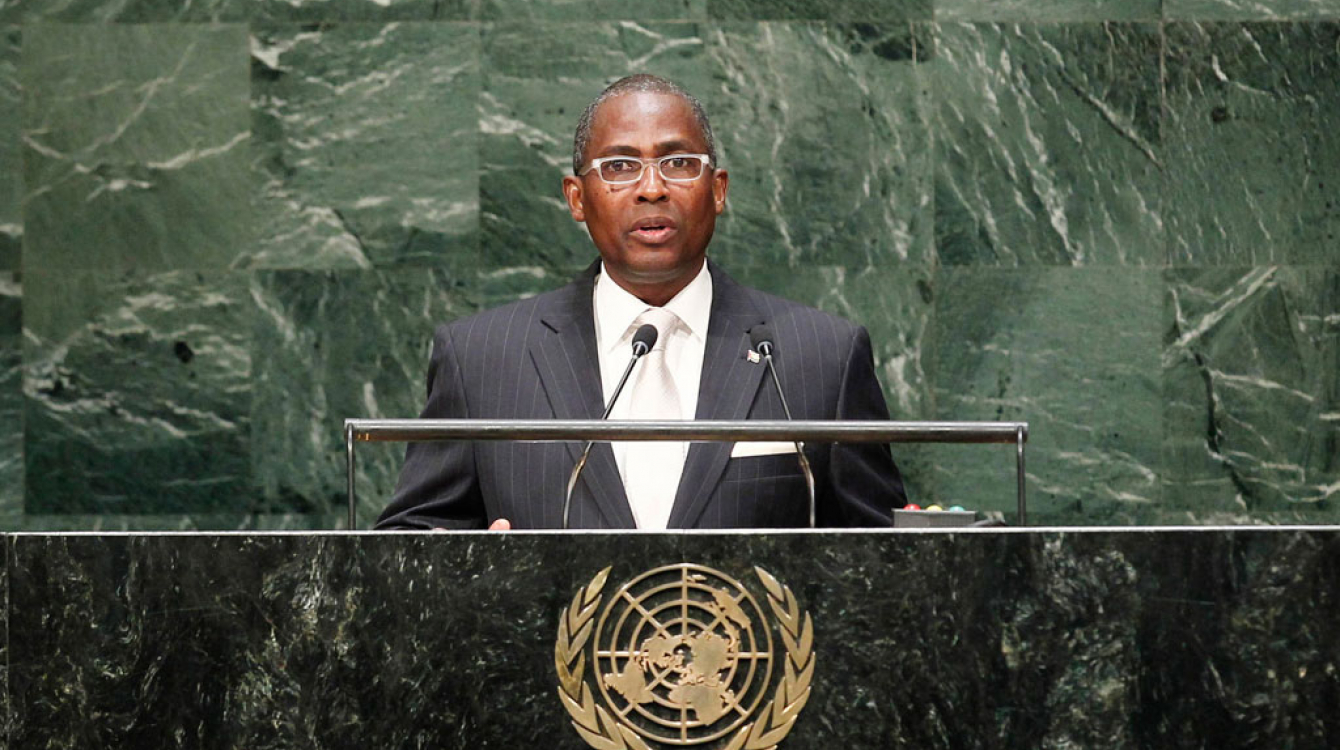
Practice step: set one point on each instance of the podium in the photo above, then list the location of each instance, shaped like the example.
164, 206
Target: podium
987, 638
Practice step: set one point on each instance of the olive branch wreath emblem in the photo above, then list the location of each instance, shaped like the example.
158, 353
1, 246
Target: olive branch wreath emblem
603, 731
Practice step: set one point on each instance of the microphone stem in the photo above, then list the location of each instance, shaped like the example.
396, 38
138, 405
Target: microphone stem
619, 388
809, 481
800, 446
586, 450
772, 370
572, 482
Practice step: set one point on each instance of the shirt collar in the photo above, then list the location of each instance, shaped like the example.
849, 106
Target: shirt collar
616, 309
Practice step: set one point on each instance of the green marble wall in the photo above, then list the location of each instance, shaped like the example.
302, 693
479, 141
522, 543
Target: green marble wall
227, 225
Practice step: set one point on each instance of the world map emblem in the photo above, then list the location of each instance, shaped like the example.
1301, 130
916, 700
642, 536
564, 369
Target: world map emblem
684, 655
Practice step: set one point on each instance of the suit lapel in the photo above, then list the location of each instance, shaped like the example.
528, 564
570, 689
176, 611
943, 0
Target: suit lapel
564, 352
729, 383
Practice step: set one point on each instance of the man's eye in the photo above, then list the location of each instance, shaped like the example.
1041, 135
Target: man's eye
622, 165
678, 162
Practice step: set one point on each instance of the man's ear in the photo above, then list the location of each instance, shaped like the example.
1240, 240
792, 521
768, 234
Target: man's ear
720, 184
572, 192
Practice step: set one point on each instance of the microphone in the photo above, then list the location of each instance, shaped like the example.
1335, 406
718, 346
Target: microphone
644, 338
760, 338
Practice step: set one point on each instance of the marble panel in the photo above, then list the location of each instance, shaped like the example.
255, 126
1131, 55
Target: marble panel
11, 159
6, 703
365, 145
195, 11
343, 664
333, 11
831, 10
122, 11
1251, 377
823, 128
1075, 353
593, 10
84, 578
1132, 639
11, 397
135, 147
1047, 11
1249, 10
336, 345
1246, 616
537, 80
1047, 145
1252, 151
137, 393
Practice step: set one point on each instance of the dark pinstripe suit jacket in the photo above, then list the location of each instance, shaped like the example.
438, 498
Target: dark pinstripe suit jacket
536, 359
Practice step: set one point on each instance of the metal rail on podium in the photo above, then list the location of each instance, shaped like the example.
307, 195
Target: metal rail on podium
558, 430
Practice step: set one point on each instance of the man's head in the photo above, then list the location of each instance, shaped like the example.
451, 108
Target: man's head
647, 83
651, 231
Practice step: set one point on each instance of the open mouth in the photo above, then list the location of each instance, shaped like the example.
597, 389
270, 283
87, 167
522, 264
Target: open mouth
654, 230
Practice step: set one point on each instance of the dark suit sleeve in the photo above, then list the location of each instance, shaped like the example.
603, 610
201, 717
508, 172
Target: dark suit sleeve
438, 484
863, 482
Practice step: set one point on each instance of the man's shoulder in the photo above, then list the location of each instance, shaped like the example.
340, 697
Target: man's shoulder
510, 316
785, 313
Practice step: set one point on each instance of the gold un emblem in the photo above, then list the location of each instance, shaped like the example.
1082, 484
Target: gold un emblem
684, 655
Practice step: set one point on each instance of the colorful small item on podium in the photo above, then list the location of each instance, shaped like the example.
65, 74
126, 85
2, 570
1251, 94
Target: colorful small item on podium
958, 508
931, 517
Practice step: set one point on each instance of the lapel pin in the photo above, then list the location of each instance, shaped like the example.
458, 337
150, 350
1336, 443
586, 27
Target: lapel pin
752, 356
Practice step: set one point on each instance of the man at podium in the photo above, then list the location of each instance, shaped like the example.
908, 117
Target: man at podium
647, 185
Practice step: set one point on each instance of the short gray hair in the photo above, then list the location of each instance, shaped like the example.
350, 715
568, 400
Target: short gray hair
640, 82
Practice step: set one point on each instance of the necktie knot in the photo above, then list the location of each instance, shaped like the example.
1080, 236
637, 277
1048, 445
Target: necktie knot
665, 321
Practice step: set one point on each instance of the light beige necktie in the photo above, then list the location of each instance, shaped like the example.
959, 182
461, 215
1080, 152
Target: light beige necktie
652, 467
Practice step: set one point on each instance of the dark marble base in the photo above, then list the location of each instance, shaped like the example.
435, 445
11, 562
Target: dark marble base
1223, 638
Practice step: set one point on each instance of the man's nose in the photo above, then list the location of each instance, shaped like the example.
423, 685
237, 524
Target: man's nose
650, 184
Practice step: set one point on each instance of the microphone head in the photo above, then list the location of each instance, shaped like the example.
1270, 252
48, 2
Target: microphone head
760, 337
644, 339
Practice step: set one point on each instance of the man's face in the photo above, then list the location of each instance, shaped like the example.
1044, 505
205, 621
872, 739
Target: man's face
652, 233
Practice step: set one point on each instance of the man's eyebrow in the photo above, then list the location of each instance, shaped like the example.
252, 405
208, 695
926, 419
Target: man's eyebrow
618, 150
670, 147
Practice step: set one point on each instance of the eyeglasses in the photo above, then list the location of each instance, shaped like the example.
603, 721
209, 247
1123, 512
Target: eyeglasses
621, 170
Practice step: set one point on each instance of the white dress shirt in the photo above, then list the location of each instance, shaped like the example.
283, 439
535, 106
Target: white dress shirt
616, 310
